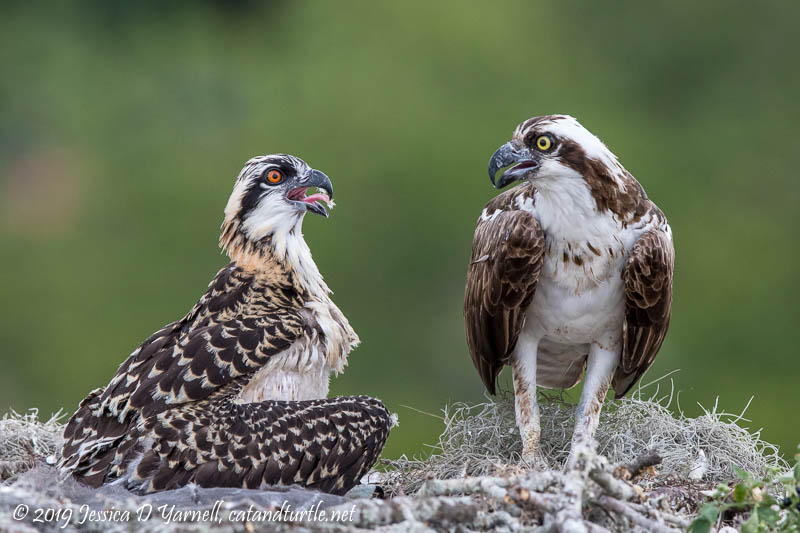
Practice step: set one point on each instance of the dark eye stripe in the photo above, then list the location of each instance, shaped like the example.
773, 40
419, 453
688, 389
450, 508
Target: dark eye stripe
251, 197
260, 185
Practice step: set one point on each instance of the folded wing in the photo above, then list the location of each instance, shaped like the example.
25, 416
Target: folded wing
507, 253
648, 304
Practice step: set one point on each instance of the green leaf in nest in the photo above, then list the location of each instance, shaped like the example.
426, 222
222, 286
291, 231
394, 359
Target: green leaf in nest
705, 519
751, 526
740, 493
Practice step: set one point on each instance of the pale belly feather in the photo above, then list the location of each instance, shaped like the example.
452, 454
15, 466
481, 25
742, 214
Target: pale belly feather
570, 308
574, 306
303, 371
279, 381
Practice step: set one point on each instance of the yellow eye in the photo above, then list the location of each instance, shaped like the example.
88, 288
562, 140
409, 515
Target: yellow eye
274, 176
544, 143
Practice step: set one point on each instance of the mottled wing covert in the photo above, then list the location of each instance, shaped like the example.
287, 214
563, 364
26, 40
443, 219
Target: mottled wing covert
185, 361
326, 444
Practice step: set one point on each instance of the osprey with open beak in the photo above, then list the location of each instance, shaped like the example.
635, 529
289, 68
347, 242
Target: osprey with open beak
570, 275
234, 393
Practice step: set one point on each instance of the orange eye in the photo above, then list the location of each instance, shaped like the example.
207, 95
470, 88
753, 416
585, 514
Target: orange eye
274, 176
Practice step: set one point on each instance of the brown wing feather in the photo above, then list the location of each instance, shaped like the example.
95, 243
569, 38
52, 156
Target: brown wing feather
213, 346
507, 253
326, 444
648, 304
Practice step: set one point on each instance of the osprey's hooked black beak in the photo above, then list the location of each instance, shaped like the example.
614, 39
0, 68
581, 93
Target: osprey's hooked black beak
508, 155
314, 202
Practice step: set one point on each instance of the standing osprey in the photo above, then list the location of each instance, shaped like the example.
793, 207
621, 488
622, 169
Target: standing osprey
233, 394
572, 269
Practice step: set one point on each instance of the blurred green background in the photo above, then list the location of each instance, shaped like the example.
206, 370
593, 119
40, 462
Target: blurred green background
123, 126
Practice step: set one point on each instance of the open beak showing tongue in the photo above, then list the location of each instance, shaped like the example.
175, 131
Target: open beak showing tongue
313, 202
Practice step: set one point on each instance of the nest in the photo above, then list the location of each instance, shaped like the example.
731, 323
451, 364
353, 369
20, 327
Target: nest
473, 478
25, 441
483, 440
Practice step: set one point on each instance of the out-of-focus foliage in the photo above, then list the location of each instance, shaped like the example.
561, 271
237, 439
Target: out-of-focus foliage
750, 497
123, 126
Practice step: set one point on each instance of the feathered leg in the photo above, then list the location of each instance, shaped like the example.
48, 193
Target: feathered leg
600, 367
526, 405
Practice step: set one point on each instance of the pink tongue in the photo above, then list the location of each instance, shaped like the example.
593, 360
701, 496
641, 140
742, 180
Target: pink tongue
317, 197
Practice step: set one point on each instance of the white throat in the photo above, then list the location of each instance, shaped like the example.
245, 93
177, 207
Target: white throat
282, 224
292, 248
566, 208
